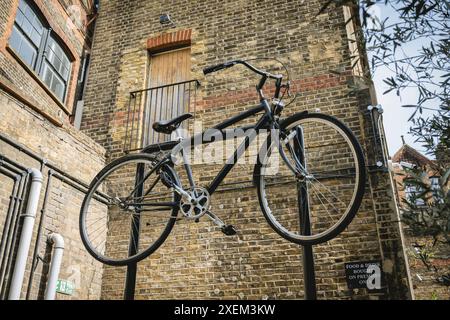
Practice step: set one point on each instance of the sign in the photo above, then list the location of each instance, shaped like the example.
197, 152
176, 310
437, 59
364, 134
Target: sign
65, 287
364, 274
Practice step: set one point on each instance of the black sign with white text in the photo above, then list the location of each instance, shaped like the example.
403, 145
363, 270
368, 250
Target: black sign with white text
364, 274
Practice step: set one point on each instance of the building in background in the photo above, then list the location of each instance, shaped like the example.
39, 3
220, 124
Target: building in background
429, 261
44, 53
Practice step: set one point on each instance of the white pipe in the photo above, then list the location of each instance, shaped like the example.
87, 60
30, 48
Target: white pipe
58, 250
26, 234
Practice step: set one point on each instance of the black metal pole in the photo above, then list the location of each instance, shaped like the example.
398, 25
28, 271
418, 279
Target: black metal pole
309, 275
130, 280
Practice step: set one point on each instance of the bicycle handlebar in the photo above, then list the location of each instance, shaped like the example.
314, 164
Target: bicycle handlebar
244, 63
217, 67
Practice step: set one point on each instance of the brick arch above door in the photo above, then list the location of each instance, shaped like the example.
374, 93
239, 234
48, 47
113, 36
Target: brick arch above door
169, 41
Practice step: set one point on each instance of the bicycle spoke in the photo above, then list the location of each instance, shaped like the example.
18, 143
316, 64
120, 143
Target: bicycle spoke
325, 198
99, 234
137, 185
102, 245
335, 197
96, 221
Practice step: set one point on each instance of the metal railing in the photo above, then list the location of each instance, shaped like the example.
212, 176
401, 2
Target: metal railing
154, 104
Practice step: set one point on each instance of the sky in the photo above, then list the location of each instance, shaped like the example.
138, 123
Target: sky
395, 118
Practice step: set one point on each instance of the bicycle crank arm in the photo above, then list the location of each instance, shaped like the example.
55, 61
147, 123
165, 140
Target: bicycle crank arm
215, 219
227, 229
181, 192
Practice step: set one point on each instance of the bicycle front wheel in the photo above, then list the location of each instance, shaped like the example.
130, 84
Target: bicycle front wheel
310, 184
128, 210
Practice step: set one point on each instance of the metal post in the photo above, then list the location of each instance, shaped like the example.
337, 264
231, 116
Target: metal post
305, 223
130, 280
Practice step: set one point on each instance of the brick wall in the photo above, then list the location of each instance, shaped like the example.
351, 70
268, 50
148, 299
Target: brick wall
74, 153
197, 261
33, 119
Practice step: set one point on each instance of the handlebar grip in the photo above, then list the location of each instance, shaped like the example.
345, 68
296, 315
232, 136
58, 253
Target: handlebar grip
217, 67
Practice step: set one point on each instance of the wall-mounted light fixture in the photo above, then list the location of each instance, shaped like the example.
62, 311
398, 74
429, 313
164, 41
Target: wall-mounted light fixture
165, 19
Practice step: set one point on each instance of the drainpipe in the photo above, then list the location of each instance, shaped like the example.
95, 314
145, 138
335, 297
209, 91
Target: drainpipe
58, 244
26, 235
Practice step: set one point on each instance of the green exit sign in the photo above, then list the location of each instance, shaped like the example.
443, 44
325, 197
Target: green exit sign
65, 287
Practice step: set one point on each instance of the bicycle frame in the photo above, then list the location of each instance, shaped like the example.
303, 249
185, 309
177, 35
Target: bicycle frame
264, 122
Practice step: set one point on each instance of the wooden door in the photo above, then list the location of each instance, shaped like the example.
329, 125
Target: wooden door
168, 99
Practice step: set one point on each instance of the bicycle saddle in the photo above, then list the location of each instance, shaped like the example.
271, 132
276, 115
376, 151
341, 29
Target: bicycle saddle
168, 126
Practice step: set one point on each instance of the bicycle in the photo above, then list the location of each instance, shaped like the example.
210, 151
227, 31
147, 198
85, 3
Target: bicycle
319, 178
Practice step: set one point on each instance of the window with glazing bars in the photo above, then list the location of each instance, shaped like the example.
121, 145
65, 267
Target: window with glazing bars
37, 46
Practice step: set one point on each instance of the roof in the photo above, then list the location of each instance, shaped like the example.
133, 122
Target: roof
409, 154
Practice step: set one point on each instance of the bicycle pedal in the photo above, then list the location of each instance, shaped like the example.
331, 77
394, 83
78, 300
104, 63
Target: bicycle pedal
228, 230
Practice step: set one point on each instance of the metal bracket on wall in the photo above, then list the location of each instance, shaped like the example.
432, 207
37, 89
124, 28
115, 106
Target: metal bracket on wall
380, 153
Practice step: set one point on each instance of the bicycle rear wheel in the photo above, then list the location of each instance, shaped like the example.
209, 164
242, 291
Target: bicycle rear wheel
128, 210
323, 173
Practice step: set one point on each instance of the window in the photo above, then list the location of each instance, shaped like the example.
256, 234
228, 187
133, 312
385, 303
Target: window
435, 187
37, 46
434, 183
56, 68
27, 34
412, 194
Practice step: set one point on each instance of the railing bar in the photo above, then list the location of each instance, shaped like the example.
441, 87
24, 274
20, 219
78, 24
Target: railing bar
166, 85
164, 108
172, 108
175, 109
152, 117
182, 96
133, 115
189, 103
156, 118
161, 111
164, 111
126, 128
195, 97
169, 107
136, 121
147, 124
151, 109
139, 127
159, 108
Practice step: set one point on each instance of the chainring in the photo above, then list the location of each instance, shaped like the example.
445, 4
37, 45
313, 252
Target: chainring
198, 206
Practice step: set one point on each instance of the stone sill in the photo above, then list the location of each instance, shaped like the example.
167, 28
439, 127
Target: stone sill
81, 137
14, 91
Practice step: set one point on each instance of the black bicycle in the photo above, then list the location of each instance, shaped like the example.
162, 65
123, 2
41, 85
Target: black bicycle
310, 168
